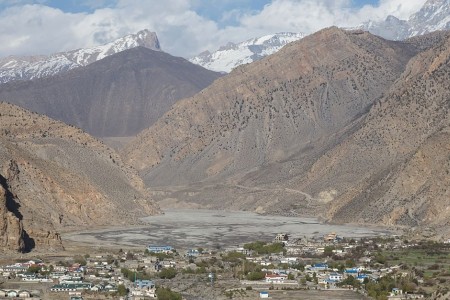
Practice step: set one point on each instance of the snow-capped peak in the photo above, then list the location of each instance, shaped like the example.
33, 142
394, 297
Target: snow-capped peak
434, 15
143, 38
30, 67
232, 55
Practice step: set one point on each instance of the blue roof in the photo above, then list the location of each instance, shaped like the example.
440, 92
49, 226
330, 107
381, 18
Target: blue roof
320, 265
351, 271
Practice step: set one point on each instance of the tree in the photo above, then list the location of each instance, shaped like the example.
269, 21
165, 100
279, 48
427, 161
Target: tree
34, 269
122, 290
328, 250
233, 256
299, 266
256, 275
167, 294
168, 273
350, 280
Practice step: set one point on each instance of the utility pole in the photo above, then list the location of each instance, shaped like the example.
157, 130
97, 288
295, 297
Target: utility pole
211, 278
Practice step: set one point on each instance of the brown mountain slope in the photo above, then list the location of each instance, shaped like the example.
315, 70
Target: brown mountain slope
291, 106
117, 96
395, 168
58, 176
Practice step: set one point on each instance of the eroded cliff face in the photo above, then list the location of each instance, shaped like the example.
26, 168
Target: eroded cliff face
11, 230
62, 178
25, 229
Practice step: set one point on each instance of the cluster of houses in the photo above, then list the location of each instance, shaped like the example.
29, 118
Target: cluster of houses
304, 252
143, 289
98, 276
14, 293
102, 274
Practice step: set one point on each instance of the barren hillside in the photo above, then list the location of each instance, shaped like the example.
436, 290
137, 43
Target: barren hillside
343, 125
237, 143
301, 98
117, 96
395, 168
56, 176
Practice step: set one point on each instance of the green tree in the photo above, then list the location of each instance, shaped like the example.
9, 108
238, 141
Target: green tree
122, 290
264, 248
34, 269
233, 256
256, 275
299, 266
167, 273
316, 280
167, 294
350, 280
328, 250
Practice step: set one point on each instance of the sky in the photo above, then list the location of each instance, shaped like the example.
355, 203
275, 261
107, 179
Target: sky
184, 27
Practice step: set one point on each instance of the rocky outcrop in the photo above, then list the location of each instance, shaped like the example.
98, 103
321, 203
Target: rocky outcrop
11, 230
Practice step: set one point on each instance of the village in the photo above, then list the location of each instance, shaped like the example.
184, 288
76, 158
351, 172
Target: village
285, 268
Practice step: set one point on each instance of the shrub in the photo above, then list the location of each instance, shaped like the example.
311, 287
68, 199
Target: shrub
167, 294
168, 273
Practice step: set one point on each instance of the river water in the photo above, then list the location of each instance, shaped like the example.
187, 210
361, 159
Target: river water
185, 228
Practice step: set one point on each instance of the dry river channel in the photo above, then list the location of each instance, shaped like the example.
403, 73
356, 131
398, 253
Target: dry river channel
189, 228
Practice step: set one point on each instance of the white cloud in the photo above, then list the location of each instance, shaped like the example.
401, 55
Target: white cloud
39, 29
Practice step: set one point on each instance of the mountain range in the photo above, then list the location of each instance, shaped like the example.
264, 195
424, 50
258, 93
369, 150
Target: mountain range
339, 124
116, 96
31, 67
343, 125
434, 15
228, 57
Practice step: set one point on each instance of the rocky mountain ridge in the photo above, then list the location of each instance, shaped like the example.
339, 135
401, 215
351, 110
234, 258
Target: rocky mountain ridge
304, 131
31, 67
296, 102
92, 97
54, 176
403, 146
433, 16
